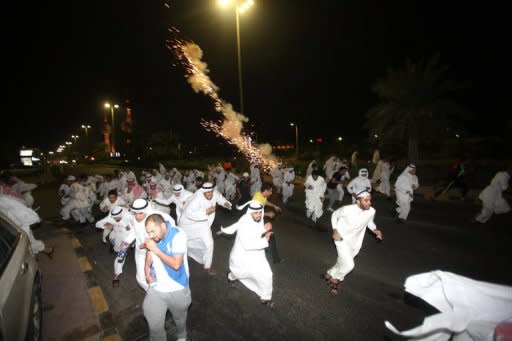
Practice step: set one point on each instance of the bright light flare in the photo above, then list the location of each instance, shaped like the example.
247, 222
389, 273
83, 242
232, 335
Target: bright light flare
224, 3
230, 129
245, 6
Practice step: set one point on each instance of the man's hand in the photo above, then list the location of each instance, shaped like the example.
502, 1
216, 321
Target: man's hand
268, 228
269, 214
227, 205
336, 236
378, 234
108, 226
150, 244
210, 210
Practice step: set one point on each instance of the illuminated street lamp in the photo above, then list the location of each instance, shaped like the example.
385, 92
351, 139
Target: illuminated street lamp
74, 137
86, 127
113, 141
296, 138
240, 7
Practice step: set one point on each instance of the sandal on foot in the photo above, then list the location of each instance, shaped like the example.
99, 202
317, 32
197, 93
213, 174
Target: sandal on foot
333, 287
115, 283
50, 253
268, 303
325, 276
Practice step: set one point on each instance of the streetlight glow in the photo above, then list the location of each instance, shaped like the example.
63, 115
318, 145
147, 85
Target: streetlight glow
224, 3
113, 142
86, 127
240, 7
292, 124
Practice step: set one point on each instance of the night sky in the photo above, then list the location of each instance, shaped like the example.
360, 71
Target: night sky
311, 62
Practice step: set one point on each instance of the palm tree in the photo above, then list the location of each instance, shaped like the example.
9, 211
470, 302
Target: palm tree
414, 103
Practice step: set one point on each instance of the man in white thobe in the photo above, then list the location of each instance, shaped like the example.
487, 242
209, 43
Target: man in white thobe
359, 183
315, 187
405, 186
492, 197
255, 178
288, 183
117, 228
277, 178
141, 209
179, 197
230, 181
247, 261
386, 169
196, 220
349, 224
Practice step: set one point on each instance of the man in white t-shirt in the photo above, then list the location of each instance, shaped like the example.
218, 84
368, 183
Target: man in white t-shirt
167, 274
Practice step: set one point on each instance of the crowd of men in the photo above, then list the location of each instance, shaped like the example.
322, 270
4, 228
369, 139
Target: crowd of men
137, 214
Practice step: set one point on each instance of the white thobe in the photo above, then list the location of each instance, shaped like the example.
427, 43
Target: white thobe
314, 197
106, 205
277, 178
351, 222
230, 182
288, 183
23, 217
220, 176
197, 225
255, 180
247, 260
405, 185
121, 231
384, 186
468, 309
492, 197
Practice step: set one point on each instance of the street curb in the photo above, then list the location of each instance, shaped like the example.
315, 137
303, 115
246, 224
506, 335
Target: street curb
95, 293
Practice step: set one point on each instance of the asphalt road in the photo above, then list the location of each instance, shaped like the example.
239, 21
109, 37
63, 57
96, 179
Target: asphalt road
437, 236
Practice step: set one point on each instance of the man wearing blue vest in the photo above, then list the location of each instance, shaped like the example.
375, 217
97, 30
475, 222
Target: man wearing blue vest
167, 274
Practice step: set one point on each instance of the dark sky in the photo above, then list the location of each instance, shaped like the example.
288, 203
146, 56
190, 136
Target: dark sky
311, 61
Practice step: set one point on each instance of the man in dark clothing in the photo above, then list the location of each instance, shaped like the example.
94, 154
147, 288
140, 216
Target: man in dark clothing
243, 189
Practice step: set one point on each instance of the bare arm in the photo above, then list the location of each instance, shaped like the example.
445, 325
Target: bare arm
173, 261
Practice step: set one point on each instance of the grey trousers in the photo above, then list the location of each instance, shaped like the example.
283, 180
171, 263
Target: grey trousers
155, 307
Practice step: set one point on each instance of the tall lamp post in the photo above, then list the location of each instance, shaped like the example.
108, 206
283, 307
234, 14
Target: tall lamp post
296, 138
240, 7
113, 142
86, 127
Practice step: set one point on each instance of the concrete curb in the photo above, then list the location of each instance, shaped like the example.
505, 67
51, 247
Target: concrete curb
96, 295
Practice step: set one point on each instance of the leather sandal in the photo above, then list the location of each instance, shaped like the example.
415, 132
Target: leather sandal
333, 287
115, 282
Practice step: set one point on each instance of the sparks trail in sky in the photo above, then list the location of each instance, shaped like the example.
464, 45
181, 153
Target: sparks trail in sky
189, 56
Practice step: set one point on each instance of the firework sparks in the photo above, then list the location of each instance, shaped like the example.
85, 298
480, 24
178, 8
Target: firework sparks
189, 55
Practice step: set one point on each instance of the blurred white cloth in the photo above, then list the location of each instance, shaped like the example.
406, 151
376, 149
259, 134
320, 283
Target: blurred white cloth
469, 309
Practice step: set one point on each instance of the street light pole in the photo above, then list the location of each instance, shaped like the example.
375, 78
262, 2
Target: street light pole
239, 58
296, 139
86, 127
113, 142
